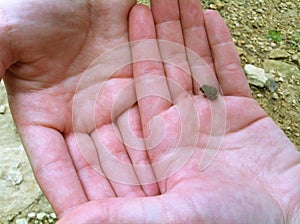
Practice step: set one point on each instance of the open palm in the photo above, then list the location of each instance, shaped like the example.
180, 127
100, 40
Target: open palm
48, 48
98, 154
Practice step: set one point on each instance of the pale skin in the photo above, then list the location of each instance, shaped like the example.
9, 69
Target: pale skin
47, 48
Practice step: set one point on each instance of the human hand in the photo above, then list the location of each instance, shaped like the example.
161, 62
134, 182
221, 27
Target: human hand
47, 47
219, 161
248, 172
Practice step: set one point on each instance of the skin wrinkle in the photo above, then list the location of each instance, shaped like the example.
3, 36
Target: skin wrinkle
295, 219
192, 205
278, 206
41, 123
247, 125
267, 191
41, 171
168, 22
230, 68
291, 206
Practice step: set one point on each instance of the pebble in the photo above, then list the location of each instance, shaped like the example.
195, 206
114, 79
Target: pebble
240, 51
278, 54
256, 76
2, 109
213, 6
280, 79
275, 96
41, 216
53, 215
296, 59
21, 221
271, 85
31, 215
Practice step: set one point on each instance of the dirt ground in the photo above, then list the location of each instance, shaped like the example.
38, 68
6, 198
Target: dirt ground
258, 27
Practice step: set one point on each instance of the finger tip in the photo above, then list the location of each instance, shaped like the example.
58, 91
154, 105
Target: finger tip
139, 12
141, 24
140, 8
211, 12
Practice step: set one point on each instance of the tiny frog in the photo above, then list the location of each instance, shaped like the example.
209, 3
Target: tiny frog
209, 91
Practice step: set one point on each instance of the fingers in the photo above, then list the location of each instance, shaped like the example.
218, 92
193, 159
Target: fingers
152, 89
151, 85
227, 62
171, 43
115, 163
96, 186
53, 167
196, 42
132, 137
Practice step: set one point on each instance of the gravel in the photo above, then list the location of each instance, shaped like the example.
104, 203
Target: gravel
38, 218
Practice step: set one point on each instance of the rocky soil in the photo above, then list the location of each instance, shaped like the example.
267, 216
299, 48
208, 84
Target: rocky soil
267, 34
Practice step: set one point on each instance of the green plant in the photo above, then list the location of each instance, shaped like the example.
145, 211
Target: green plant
295, 40
274, 35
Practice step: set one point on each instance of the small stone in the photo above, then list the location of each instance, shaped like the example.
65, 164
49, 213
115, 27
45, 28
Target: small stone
219, 5
256, 76
280, 79
296, 59
41, 216
210, 92
251, 59
21, 221
278, 54
275, 96
2, 109
213, 6
31, 215
259, 10
271, 85
240, 51
53, 215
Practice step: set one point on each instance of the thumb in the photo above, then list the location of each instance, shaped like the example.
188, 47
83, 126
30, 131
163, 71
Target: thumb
158, 209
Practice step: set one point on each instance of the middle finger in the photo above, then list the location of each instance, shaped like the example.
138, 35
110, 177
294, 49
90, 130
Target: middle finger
171, 43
